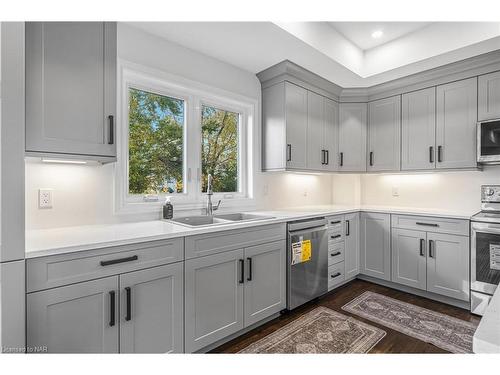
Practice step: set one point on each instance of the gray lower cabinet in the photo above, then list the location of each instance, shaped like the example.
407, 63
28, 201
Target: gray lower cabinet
352, 137
456, 124
384, 129
151, 310
409, 259
213, 298
418, 130
375, 250
71, 88
488, 96
351, 257
265, 281
448, 265
79, 318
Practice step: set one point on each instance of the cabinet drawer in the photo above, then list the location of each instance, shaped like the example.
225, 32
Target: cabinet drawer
335, 228
213, 243
335, 275
335, 252
431, 224
57, 270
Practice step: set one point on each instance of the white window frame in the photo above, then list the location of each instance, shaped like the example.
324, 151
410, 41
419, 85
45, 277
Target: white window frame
195, 95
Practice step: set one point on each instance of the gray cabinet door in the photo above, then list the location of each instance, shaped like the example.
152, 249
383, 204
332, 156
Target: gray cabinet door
213, 298
448, 265
384, 129
152, 310
351, 257
409, 264
71, 87
375, 251
456, 124
418, 130
489, 96
315, 132
296, 125
265, 281
331, 134
75, 319
352, 137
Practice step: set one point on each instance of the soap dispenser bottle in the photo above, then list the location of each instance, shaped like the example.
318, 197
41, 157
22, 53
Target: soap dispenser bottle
168, 209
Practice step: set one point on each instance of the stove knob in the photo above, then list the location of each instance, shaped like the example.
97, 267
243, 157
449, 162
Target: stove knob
490, 192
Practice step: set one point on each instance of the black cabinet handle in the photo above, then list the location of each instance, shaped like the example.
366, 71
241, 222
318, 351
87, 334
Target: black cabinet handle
323, 157
336, 236
341, 159
335, 254
288, 152
242, 271
427, 224
112, 308
128, 293
249, 278
347, 227
327, 157
335, 222
422, 244
431, 250
111, 139
431, 154
440, 154
335, 275
371, 158
105, 263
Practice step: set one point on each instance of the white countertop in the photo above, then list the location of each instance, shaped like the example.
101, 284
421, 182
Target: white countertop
487, 336
46, 242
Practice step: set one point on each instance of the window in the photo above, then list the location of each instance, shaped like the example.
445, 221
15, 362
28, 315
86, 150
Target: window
219, 149
156, 126
173, 133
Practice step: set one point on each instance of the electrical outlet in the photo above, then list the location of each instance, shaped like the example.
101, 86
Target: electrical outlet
395, 191
44, 198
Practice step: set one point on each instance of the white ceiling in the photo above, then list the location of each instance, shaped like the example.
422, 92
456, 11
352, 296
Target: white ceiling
336, 55
360, 33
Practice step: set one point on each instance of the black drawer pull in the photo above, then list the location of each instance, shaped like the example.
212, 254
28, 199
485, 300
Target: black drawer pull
335, 222
335, 275
112, 308
105, 263
128, 293
427, 224
336, 236
335, 254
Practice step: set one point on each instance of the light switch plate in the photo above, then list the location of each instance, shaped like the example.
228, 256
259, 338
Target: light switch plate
395, 191
45, 198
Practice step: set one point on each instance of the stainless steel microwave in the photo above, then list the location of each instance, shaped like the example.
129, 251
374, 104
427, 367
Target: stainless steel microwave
488, 142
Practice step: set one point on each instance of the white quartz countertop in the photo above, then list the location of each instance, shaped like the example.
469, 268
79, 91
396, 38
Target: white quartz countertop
487, 336
46, 242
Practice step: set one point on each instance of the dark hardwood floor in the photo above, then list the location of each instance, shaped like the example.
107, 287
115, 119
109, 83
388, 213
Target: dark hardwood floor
393, 342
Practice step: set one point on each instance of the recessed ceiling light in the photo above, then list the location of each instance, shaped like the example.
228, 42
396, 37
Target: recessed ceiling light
377, 34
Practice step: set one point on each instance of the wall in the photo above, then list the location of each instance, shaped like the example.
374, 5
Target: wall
85, 194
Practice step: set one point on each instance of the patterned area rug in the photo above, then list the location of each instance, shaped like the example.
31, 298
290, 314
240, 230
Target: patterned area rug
320, 331
445, 332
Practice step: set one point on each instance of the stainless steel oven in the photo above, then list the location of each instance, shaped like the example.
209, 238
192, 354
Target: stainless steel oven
488, 142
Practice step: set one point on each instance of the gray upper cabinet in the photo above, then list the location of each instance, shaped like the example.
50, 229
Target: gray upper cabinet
151, 310
351, 257
375, 251
352, 137
331, 135
409, 263
71, 89
384, 129
418, 130
296, 126
79, 318
265, 279
489, 96
456, 124
448, 265
213, 298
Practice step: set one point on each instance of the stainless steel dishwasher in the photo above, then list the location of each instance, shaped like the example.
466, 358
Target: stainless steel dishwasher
307, 261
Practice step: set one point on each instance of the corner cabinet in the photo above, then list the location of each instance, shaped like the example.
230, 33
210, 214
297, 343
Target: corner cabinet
71, 89
351, 258
384, 129
375, 252
489, 96
352, 137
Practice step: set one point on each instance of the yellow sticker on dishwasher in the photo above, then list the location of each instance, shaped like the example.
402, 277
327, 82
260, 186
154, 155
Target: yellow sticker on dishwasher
306, 250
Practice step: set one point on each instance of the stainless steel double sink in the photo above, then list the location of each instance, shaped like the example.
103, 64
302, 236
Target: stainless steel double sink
204, 220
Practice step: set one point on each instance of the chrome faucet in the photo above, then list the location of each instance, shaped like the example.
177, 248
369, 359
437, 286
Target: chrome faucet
210, 208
